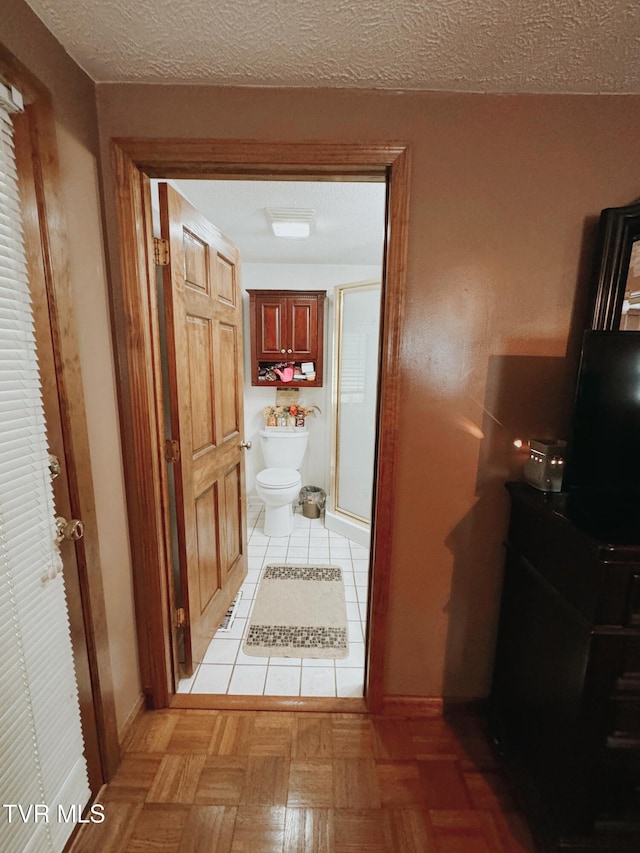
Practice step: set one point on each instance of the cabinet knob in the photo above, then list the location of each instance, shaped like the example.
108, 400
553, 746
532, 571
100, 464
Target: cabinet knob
289, 350
283, 350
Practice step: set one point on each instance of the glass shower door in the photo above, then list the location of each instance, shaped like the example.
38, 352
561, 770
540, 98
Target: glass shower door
356, 385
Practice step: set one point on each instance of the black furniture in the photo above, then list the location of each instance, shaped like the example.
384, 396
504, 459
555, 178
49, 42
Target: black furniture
565, 702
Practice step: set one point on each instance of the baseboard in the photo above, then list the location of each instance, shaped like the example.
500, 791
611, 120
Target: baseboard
413, 706
431, 706
130, 724
464, 707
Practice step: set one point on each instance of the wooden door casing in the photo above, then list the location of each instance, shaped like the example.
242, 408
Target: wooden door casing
133, 162
203, 310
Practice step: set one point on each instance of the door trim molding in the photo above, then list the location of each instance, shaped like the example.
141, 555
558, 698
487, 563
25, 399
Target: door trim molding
135, 321
47, 241
310, 704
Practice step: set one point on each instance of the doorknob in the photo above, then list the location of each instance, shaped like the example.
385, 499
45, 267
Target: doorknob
54, 466
245, 445
73, 529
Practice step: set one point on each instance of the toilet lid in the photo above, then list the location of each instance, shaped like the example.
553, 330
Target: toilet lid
278, 478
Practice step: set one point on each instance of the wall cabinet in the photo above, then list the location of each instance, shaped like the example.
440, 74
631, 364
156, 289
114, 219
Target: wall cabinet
565, 702
287, 329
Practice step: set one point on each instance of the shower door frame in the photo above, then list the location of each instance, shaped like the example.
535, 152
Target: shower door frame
339, 290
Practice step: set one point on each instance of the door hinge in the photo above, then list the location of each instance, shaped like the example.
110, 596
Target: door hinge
160, 252
171, 450
181, 617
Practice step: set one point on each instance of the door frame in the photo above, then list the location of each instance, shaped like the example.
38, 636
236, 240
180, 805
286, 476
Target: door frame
135, 318
46, 243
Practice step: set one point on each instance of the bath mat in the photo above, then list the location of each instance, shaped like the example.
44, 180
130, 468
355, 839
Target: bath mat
299, 612
230, 615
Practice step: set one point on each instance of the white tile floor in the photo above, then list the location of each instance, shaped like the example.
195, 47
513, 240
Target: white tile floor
226, 669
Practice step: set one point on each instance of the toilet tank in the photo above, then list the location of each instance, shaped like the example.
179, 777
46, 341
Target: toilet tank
284, 447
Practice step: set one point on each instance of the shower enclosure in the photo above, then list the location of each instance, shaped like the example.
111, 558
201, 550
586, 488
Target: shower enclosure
355, 391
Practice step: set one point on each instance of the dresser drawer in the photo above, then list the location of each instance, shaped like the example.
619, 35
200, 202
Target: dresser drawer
561, 556
600, 581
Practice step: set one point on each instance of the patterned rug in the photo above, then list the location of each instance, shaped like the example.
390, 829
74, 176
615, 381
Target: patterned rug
299, 612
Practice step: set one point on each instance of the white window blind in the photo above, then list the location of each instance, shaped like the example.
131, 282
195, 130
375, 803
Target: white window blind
41, 749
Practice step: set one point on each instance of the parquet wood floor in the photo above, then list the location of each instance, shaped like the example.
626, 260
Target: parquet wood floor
292, 782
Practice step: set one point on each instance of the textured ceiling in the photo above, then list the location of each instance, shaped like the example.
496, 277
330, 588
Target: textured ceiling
454, 45
348, 227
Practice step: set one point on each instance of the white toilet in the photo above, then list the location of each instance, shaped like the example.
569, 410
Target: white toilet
278, 485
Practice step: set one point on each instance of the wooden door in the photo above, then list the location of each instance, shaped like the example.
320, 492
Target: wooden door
203, 310
51, 338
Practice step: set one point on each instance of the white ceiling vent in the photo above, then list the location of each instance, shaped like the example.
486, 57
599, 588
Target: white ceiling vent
290, 222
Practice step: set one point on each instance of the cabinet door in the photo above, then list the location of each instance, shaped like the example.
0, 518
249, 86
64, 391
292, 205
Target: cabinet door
270, 328
302, 316
542, 656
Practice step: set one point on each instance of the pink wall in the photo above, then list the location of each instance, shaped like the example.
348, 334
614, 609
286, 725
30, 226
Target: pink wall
505, 194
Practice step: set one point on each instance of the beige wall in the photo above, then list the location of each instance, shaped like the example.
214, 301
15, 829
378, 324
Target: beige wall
76, 130
505, 193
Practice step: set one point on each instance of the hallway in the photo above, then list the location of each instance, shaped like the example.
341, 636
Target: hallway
292, 782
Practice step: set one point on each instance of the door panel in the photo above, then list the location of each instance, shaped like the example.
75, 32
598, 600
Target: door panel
207, 576
270, 330
204, 346
303, 319
300, 327
227, 290
229, 405
196, 262
233, 499
200, 356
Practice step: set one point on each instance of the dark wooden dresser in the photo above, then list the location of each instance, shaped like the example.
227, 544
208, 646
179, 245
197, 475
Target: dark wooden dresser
565, 702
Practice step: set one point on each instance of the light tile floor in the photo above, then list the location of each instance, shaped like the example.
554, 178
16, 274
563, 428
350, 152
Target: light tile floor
226, 669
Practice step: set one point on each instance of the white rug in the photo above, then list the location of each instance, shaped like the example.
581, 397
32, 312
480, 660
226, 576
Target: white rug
299, 612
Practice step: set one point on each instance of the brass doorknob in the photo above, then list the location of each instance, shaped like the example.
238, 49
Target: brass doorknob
54, 466
245, 445
73, 529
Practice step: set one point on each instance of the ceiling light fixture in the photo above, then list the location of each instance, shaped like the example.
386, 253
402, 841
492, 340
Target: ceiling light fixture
290, 222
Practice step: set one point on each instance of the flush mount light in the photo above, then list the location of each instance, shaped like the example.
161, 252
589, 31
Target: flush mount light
290, 222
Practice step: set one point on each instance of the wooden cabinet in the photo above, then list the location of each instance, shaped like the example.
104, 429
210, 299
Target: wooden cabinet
287, 328
565, 701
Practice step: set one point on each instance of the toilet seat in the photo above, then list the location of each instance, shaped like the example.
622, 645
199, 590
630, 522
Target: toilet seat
278, 478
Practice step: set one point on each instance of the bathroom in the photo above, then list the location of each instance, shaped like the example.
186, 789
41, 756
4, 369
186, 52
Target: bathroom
343, 257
